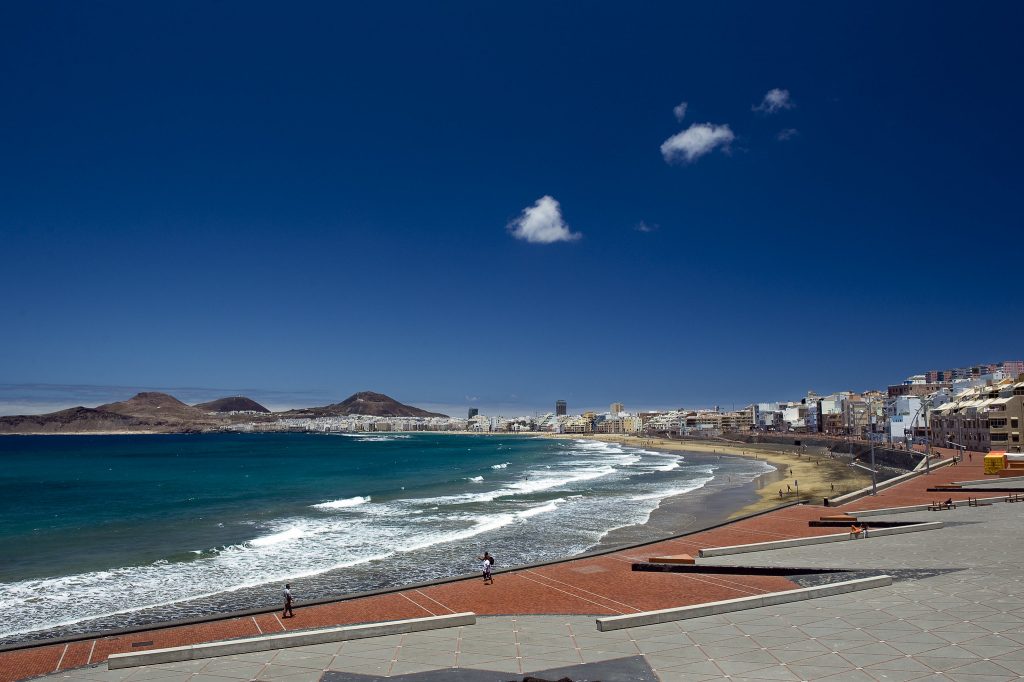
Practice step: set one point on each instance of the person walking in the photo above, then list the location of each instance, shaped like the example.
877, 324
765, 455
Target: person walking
486, 561
288, 602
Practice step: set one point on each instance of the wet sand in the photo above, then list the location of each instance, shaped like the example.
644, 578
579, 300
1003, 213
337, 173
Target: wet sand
807, 475
711, 505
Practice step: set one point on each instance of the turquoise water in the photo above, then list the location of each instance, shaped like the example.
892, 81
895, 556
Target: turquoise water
108, 531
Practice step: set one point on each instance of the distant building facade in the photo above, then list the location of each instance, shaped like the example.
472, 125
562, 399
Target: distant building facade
982, 418
473, 412
560, 408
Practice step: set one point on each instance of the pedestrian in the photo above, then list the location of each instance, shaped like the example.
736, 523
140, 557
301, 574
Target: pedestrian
287, 602
833, 486
780, 493
788, 489
486, 561
970, 456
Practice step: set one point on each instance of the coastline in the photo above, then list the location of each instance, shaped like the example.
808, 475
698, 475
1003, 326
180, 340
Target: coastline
812, 471
712, 504
716, 502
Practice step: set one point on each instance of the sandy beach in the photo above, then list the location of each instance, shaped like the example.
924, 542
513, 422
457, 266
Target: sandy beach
813, 472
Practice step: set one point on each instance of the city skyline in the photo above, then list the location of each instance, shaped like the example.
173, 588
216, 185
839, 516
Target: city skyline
461, 206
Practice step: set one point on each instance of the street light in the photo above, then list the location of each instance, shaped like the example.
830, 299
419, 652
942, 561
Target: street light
871, 435
925, 405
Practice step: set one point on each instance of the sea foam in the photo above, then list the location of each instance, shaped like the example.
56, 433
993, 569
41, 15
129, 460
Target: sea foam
343, 504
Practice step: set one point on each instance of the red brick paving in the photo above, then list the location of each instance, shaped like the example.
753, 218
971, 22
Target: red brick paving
604, 585
915, 491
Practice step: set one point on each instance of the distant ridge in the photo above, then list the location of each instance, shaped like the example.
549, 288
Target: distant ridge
366, 403
154, 412
74, 419
237, 403
155, 406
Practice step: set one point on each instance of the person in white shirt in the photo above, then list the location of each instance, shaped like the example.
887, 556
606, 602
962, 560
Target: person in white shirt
287, 602
486, 561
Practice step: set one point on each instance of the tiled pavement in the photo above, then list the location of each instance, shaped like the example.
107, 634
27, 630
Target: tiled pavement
963, 625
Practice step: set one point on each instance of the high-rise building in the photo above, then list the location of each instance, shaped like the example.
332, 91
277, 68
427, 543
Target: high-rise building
473, 412
560, 410
616, 408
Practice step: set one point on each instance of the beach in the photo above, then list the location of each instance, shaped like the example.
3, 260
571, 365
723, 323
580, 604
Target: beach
813, 472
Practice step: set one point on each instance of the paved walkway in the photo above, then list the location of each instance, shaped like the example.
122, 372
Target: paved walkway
594, 586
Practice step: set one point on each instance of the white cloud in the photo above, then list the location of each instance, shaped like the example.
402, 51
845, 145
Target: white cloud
680, 111
645, 227
542, 224
787, 134
696, 141
774, 100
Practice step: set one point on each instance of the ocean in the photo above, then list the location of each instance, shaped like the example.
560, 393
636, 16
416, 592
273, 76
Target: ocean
102, 532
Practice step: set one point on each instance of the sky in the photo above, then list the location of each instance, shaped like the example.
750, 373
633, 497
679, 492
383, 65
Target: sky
494, 205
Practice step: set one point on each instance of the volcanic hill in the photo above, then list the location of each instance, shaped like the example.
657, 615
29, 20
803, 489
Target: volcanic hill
238, 403
155, 406
364, 403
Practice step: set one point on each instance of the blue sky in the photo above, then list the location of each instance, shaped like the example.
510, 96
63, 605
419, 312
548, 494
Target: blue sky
310, 200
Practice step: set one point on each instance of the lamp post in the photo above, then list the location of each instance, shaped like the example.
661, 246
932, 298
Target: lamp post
871, 435
927, 441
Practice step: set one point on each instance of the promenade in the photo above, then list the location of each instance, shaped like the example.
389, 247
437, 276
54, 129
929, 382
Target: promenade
954, 612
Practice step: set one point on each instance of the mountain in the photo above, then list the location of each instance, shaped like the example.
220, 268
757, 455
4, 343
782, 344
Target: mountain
159, 407
152, 412
365, 403
237, 403
73, 420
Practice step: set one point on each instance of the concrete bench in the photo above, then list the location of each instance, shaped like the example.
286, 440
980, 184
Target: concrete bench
284, 640
673, 559
633, 620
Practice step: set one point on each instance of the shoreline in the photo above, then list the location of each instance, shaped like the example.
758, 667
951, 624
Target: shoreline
718, 501
812, 471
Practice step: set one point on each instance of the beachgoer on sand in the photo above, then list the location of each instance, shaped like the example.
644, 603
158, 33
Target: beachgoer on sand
287, 602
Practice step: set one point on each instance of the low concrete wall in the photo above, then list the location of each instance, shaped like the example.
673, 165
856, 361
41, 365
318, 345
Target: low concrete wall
881, 485
814, 540
288, 639
897, 459
729, 605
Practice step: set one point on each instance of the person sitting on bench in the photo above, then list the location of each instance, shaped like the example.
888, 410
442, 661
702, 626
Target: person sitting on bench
855, 531
949, 503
